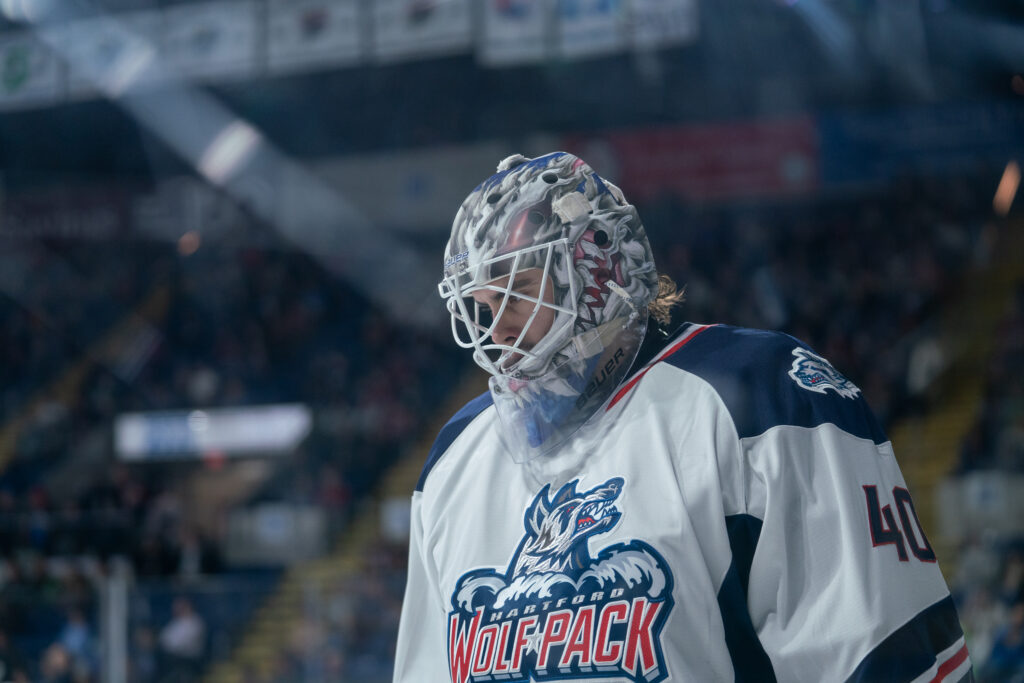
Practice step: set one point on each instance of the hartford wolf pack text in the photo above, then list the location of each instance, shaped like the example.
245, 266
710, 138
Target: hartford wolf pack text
558, 613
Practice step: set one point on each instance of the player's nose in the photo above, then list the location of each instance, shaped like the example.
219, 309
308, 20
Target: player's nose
505, 330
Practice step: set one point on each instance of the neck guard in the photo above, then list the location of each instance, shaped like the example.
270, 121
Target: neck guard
537, 415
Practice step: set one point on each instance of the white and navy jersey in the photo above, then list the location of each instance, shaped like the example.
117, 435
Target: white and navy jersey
735, 513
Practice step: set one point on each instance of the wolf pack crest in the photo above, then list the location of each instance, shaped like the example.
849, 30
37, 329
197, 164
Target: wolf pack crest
557, 612
812, 372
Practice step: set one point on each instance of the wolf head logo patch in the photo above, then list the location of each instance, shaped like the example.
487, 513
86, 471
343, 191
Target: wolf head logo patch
812, 372
557, 612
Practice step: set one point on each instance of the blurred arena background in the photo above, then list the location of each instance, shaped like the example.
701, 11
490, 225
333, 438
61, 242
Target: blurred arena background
221, 223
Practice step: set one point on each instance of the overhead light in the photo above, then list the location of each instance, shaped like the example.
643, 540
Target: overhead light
228, 151
1017, 84
1007, 189
189, 243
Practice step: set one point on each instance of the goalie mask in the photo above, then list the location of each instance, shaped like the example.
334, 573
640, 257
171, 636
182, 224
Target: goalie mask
547, 277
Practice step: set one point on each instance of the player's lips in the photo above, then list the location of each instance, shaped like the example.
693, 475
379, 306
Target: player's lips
510, 341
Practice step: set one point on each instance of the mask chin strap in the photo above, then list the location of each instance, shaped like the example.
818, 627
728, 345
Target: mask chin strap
624, 295
595, 339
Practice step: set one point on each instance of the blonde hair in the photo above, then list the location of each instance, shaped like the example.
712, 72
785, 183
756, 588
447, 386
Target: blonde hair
668, 297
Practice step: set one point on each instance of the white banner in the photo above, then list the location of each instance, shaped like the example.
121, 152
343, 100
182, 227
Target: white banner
211, 41
660, 23
30, 74
588, 28
111, 53
418, 28
515, 32
305, 34
252, 430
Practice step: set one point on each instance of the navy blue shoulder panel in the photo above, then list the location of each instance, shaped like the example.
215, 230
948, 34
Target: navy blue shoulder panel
768, 379
451, 431
911, 649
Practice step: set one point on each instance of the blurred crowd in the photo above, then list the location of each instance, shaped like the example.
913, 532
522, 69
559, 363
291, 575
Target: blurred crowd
860, 278
348, 627
996, 440
239, 327
990, 584
47, 620
59, 299
126, 512
42, 332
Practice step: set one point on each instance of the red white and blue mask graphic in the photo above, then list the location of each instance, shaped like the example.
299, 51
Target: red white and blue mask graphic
554, 214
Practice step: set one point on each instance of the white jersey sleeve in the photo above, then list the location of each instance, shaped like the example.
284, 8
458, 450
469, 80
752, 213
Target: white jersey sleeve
843, 578
832, 576
420, 653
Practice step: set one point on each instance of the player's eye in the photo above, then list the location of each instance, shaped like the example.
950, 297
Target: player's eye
522, 290
481, 312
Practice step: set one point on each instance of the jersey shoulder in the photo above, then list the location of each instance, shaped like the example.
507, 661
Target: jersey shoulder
451, 431
768, 379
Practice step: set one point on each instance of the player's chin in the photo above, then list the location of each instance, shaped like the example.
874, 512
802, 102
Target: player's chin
509, 361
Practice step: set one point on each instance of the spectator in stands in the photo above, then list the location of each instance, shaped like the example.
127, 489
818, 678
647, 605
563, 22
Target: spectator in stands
56, 666
154, 557
194, 555
976, 450
77, 639
1006, 662
13, 667
143, 666
183, 640
8, 521
15, 597
75, 591
982, 617
1010, 448
1011, 581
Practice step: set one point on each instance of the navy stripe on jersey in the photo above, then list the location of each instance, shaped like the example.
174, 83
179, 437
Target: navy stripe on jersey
750, 371
451, 431
910, 650
749, 660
